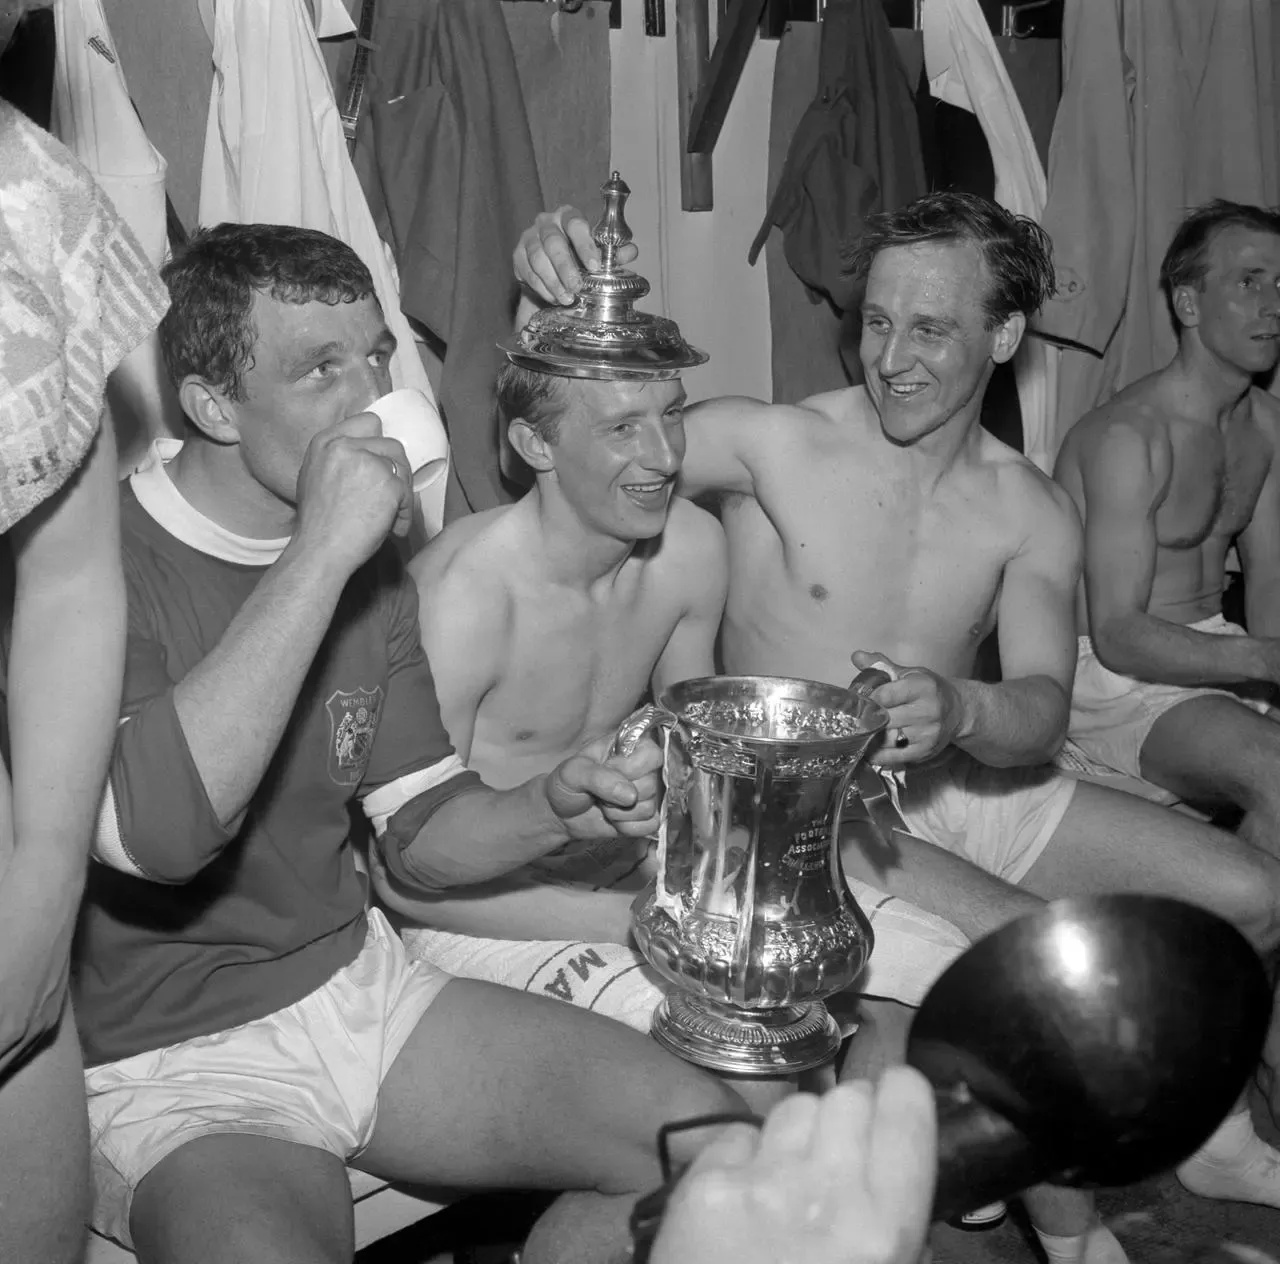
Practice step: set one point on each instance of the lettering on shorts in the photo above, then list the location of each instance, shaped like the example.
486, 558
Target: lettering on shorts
582, 965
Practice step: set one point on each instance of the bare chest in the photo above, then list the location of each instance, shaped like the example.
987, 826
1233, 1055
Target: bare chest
881, 565
575, 670
1214, 486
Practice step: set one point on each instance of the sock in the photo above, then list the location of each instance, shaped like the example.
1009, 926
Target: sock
1235, 1164
1098, 1246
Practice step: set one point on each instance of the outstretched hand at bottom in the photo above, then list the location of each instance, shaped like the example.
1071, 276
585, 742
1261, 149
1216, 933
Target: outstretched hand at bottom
842, 1179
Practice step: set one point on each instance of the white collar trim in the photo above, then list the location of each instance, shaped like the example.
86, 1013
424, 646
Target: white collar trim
161, 499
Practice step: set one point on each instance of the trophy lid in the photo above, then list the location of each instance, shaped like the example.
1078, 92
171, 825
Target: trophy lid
602, 335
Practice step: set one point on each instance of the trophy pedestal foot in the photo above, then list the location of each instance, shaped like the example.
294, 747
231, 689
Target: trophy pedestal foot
773, 1042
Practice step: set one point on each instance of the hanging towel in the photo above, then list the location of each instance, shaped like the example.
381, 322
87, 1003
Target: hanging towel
965, 70
275, 153
94, 117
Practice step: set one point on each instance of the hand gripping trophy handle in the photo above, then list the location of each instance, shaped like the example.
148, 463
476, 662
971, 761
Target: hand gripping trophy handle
636, 725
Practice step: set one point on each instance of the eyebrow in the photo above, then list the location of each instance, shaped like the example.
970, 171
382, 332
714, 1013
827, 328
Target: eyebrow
385, 341
312, 355
920, 318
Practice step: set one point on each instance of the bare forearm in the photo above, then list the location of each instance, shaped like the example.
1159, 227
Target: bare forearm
256, 670
65, 668
484, 834
516, 908
64, 700
1014, 722
1262, 608
1148, 648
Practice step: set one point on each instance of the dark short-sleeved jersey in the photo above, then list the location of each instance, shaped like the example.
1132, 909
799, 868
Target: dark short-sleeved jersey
189, 928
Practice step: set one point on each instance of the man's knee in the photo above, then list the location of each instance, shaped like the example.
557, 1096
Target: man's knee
1249, 894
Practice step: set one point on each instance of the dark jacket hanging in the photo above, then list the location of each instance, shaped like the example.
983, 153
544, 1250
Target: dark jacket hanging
445, 156
856, 150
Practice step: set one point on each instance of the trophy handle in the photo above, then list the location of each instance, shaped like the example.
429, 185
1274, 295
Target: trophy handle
636, 725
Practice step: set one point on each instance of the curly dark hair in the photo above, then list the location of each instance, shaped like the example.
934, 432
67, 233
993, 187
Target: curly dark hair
209, 329
1017, 251
1186, 262
537, 399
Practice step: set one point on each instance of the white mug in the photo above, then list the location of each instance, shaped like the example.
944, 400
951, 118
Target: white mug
410, 418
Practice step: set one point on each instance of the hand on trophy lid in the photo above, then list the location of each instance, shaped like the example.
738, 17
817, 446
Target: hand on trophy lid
551, 254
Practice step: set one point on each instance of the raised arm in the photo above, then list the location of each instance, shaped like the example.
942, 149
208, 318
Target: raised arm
64, 675
1125, 478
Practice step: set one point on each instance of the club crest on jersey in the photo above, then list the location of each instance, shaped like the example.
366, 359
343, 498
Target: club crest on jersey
353, 722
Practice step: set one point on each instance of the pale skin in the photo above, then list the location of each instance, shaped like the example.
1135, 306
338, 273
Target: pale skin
882, 521
546, 621
842, 1179
1167, 476
493, 1088
64, 673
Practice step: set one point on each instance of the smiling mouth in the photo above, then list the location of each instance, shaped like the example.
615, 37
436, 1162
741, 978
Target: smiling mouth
649, 495
903, 390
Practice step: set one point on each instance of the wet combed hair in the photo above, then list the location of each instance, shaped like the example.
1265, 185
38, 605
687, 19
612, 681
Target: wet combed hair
537, 399
1186, 262
1016, 250
209, 329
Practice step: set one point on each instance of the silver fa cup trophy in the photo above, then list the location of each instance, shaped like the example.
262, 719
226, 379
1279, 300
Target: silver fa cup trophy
749, 918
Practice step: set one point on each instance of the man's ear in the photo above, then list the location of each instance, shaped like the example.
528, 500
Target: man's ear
1007, 337
1186, 306
531, 447
209, 410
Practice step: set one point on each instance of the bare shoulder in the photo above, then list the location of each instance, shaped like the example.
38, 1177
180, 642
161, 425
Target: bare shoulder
1038, 509
1128, 431
693, 539
466, 565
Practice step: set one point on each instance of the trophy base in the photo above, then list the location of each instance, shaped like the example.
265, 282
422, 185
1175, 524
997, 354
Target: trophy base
772, 1042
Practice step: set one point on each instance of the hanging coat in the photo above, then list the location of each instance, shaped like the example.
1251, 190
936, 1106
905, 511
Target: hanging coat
855, 151
445, 155
1165, 105
965, 69
275, 153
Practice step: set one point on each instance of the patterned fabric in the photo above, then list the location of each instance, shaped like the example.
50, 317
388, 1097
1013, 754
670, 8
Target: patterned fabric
76, 296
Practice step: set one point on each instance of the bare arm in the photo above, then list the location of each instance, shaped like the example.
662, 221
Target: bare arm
1259, 543
518, 907
1125, 478
1023, 718
724, 440
65, 672
704, 565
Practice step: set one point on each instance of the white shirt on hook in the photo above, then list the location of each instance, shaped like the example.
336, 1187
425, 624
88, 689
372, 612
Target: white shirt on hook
965, 70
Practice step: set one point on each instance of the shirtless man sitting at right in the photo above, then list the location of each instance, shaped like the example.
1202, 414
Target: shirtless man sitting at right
1167, 476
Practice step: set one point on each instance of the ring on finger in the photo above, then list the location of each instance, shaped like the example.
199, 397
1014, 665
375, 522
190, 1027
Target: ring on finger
395, 469
902, 741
